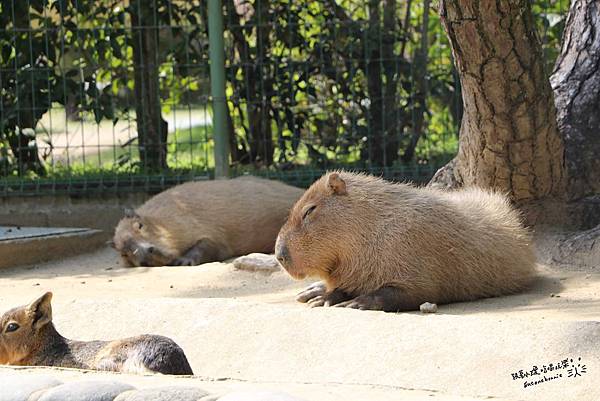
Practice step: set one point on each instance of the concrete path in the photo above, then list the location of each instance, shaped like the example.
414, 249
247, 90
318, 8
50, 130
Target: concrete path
26, 245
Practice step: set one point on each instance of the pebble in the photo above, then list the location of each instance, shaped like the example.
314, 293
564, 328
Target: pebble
86, 391
21, 387
167, 393
258, 396
428, 307
257, 262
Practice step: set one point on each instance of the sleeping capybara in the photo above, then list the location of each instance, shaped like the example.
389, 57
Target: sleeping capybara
383, 246
28, 338
205, 221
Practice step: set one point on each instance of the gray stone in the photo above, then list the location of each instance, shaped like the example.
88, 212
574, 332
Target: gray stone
428, 307
166, 393
17, 387
257, 262
86, 391
210, 397
258, 396
37, 395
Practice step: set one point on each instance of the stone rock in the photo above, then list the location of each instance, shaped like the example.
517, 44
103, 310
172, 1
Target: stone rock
15, 387
257, 262
166, 393
428, 307
86, 391
258, 396
211, 397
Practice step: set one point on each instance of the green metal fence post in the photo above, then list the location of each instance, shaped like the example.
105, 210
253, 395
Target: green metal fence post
217, 86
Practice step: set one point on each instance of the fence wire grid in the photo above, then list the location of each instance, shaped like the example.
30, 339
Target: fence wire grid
114, 95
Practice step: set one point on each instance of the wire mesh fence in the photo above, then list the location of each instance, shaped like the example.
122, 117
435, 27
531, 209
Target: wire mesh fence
114, 95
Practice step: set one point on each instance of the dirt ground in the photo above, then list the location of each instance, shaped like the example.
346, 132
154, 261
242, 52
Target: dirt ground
242, 329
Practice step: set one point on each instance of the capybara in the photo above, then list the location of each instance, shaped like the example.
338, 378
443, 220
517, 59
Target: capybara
205, 221
28, 337
384, 246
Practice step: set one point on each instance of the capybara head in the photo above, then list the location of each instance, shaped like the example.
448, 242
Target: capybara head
308, 244
137, 239
21, 329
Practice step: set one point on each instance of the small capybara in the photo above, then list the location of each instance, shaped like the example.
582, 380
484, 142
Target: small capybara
28, 338
383, 246
205, 221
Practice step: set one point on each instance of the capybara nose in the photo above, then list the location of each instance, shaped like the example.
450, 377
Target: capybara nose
281, 253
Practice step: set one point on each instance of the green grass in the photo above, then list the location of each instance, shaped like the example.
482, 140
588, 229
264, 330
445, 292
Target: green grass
116, 169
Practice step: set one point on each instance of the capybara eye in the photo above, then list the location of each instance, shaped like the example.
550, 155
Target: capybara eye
12, 327
309, 211
139, 226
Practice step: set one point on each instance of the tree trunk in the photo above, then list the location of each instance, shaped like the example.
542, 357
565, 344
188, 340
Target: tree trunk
508, 137
383, 147
420, 80
152, 129
24, 149
29, 101
257, 85
576, 84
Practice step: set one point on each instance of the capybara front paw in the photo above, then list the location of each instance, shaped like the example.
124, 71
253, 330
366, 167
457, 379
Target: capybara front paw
363, 302
317, 301
314, 290
183, 262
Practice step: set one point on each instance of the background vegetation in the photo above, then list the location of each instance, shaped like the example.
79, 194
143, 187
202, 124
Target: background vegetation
121, 88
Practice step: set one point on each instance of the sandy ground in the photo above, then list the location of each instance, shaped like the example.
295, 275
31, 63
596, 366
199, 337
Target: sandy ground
242, 329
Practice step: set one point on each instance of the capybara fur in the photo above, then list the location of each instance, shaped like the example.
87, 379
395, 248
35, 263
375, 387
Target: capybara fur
28, 338
205, 221
384, 246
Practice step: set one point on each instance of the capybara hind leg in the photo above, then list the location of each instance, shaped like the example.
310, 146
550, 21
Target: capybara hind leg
203, 251
387, 299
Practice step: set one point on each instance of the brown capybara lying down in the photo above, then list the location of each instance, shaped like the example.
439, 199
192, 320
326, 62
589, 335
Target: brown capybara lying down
205, 221
28, 337
384, 246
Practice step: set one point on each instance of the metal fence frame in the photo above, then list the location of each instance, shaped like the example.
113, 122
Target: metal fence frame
154, 182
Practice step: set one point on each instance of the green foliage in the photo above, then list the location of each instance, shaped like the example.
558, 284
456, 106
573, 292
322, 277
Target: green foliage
310, 84
550, 17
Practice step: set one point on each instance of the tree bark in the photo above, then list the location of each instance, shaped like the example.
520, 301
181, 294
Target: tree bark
420, 80
576, 84
508, 137
29, 101
384, 144
152, 129
257, 85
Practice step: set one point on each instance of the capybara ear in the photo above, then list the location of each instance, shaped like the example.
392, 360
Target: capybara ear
40, 311
337, 185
